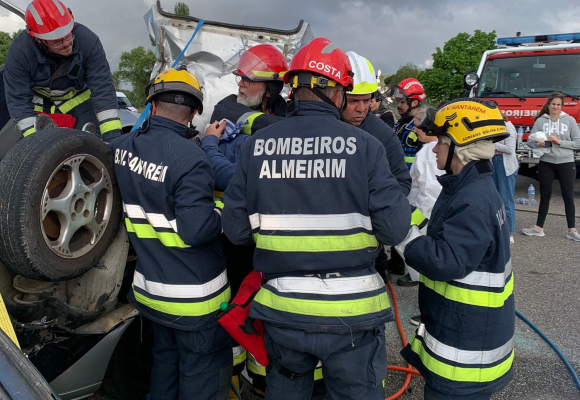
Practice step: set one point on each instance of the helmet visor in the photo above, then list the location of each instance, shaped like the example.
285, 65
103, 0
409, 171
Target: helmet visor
246, 63
396, 92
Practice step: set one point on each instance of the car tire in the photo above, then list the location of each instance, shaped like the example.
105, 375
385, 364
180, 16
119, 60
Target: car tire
60, 204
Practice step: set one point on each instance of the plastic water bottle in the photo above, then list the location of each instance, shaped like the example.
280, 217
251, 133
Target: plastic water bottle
531, 195
520, 134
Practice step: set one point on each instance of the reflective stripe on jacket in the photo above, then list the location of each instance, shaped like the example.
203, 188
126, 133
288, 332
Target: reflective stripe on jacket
316, 196
465, 342
167, 188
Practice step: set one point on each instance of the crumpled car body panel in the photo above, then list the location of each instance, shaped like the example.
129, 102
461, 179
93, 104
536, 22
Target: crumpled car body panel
212, 54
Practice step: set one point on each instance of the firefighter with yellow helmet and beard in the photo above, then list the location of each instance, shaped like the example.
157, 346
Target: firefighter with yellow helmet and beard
464, 344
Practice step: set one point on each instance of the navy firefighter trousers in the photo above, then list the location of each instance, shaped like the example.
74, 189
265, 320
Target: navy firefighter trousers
353, 364
190, 365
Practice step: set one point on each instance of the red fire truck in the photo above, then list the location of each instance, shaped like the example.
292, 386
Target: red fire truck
521, 74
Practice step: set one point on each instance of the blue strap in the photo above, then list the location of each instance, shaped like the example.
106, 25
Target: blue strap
147, 109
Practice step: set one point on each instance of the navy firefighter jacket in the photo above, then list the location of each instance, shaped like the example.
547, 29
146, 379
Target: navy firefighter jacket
317, 196
395, 155
465, 342
166, 184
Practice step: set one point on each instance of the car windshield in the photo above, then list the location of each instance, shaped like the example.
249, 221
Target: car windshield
531, 76
124, 100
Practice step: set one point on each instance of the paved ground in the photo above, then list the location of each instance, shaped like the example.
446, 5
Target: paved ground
547, 292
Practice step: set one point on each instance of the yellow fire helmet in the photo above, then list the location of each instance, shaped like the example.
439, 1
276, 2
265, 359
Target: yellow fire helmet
177, 85
466, 121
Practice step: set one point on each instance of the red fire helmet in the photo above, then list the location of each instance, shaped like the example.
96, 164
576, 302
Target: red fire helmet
48, 20
263, 62
409, 88
321, 57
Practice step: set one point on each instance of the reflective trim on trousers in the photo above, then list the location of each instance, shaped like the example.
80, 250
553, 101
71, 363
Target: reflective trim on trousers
239, 355
195, 309
460, 374
328, 286
487, 279
472, 297
464, 356
180, 291
305, 222
67, 106
55, 95
323, 308
41, 109
255, 367
315, 244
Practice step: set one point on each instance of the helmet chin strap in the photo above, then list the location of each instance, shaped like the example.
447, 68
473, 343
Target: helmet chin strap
327, 100
410, 107
450, 158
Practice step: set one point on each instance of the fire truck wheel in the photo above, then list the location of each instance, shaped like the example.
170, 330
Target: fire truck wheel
60, 205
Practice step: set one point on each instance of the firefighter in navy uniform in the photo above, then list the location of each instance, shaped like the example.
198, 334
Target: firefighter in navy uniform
408, 93
180, 281
317, 196
357, 113
58, 66
259, 74
464, 344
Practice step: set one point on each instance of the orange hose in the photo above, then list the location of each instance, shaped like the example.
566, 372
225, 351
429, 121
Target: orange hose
409, 370
403, 369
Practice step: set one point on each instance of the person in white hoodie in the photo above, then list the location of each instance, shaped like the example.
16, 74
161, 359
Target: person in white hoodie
505, 171
563, 137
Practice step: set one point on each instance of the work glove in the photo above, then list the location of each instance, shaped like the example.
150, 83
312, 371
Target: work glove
418, 228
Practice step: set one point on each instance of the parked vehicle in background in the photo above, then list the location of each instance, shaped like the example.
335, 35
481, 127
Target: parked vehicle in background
520, 76
124, 102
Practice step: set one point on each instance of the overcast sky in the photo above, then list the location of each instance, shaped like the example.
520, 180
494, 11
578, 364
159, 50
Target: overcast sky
389, 33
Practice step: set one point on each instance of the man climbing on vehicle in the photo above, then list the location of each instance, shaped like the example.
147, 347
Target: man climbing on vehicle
180, 281
317, 196
259, 74
58, 66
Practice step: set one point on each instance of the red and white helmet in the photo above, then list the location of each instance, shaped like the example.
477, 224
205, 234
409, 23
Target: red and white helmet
410, 89
263, 62
48, 20
320, 58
